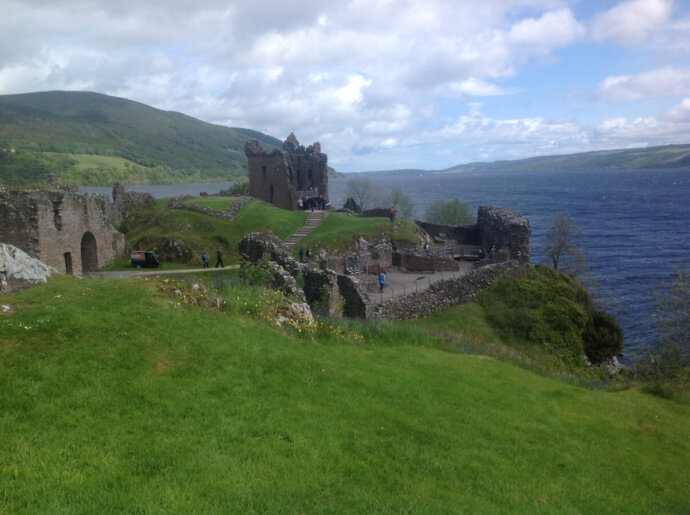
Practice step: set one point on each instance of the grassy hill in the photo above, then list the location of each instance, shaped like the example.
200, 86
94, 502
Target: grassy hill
59, 131
123, 396
668, 156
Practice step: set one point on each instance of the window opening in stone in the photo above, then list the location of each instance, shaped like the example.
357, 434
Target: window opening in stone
271, 194
68, 263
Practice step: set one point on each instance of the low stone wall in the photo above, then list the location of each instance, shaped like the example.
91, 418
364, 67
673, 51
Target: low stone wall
419, 262
463, 234
441, 294
228, 215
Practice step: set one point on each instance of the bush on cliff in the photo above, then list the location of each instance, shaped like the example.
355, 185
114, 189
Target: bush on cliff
554, 311
602, 337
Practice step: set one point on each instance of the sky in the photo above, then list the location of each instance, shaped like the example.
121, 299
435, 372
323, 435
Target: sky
381, 84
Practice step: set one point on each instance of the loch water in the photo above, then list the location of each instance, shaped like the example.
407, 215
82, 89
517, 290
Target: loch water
635, 223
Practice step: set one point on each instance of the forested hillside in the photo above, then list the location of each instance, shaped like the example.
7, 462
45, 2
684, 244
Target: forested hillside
60, 132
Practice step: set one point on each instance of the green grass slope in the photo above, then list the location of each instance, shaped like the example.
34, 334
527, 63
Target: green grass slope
47, 128
339, 233
119, 396
151, 226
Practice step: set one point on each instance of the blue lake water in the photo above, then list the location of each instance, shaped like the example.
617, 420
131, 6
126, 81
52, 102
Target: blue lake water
635, 222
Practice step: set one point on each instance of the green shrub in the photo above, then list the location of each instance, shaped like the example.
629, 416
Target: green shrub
544, 308
602, 337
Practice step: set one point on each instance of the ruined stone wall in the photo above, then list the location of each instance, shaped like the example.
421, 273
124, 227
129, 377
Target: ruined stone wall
277, 176
228, 215
126, 202
320, 287
508, 230
420, 261
441, 294
68, 230
463, 234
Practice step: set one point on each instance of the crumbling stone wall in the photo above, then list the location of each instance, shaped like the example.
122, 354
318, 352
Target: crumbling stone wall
126, 202
463, 234
441, 294
70, 231
506, 229
228, 215
277, 176
419, 261
320, 286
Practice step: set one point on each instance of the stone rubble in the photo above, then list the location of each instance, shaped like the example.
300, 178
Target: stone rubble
18, 270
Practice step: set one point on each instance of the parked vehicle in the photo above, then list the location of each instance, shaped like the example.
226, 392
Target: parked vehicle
145, 259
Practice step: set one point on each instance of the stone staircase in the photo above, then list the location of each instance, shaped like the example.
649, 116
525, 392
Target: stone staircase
313, 221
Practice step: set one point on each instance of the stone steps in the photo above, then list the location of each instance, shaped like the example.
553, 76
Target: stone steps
314, 219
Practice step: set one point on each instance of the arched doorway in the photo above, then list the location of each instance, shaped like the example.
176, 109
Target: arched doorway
89, 253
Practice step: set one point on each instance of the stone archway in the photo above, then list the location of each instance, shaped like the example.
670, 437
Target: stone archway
89, 253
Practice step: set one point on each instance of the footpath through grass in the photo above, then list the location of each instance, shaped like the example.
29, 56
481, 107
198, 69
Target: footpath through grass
124, 396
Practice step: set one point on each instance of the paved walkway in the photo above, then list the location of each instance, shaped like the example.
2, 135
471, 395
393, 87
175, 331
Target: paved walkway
121, 274
399, 284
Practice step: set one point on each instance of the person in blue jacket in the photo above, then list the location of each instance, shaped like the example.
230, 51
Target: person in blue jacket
382, 280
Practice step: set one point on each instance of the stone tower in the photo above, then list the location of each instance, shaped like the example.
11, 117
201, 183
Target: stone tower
286, 177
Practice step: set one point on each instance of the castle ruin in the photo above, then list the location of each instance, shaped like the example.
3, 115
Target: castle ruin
72, 232
292, 178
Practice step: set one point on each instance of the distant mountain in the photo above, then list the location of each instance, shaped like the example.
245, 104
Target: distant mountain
668, 156
57, 131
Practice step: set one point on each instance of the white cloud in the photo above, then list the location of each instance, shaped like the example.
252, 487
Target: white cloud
371, 79
653, 83
679, 113
630, 22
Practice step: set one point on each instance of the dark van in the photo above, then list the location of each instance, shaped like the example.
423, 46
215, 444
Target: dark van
145, 259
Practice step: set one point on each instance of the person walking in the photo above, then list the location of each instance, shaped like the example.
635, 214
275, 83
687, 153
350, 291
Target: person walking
219, 259
204, 258
382, 280
393, 214
301, 254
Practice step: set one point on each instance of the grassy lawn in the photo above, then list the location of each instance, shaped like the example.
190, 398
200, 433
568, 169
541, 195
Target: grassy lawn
150, 227
339, 233
120, 396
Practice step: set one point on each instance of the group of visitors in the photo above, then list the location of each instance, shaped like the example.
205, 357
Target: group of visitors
219, 259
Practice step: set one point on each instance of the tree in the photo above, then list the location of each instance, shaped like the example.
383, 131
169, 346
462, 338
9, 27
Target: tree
668, 359
402, 202
561, 245
360, 189
449, 212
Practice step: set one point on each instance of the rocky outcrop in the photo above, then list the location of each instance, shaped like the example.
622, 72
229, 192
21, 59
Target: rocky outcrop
18, 270
320, 287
